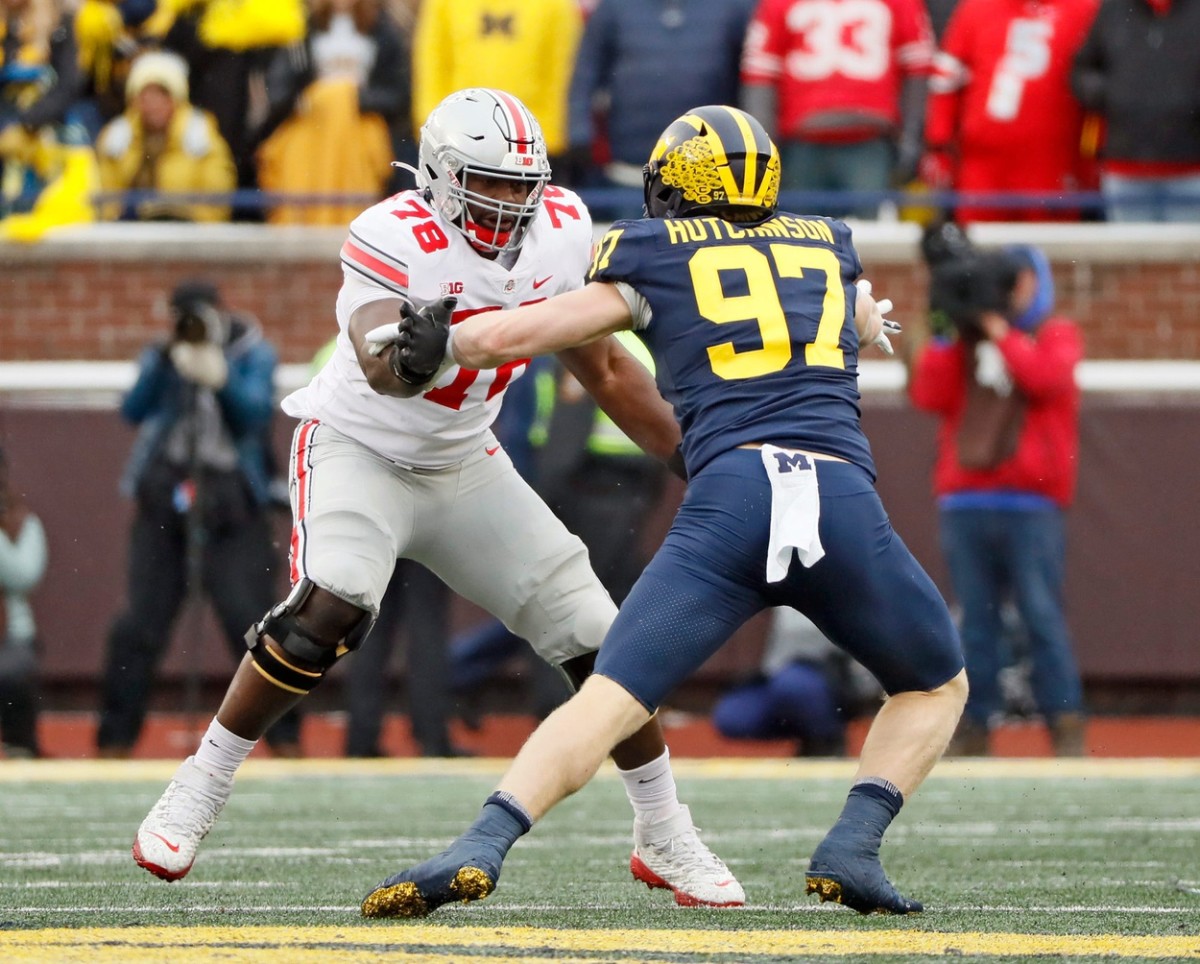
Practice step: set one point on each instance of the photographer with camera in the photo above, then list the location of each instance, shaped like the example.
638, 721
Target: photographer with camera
199, 476
999, 372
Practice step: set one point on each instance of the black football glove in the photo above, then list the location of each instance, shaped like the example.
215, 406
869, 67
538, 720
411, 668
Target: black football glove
420, 343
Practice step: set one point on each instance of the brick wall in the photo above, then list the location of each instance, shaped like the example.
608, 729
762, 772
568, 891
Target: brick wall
93, 294
1136, 291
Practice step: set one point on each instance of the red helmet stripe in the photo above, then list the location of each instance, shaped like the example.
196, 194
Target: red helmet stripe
521, 133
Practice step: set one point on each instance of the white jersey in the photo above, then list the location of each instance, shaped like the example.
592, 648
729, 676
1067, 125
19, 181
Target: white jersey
402, 249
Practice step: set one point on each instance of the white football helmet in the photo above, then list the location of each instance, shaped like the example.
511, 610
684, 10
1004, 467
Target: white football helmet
487, 132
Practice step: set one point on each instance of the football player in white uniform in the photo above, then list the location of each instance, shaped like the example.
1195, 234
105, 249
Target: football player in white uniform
394, 458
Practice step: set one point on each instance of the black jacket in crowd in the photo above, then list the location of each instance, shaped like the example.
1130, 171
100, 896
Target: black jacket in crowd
1141, 71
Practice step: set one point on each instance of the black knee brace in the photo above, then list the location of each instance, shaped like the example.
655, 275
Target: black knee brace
577, 669
311, 641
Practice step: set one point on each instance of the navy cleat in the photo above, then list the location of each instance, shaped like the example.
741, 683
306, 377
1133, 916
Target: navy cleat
467, 870
852, 875
461, 873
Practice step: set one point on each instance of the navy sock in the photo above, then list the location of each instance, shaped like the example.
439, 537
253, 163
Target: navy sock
870, 808
501, 821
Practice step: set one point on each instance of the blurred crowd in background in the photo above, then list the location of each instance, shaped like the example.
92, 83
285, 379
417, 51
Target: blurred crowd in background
291, 111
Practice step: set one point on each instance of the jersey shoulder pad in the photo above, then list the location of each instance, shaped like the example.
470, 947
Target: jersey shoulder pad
563, 210
383, 245
624, 247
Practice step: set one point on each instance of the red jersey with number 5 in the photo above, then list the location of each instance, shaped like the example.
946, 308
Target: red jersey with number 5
834, 56
402, 249
1001, 81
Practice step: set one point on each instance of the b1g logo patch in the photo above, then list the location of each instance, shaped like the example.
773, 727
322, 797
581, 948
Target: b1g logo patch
509, 286
451, 288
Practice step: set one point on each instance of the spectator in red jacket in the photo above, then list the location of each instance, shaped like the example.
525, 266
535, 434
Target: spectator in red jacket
1001, 114
1001, 378
840, 86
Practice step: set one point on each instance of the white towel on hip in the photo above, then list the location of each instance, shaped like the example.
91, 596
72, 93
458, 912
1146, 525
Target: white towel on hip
795, 510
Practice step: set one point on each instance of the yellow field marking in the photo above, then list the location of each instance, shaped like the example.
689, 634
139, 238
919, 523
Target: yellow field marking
725, 768
183, 944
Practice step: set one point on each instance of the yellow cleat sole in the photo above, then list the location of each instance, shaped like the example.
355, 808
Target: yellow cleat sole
831, 890
824, 888
406, 900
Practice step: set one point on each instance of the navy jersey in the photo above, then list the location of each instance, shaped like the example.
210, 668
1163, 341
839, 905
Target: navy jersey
751, 328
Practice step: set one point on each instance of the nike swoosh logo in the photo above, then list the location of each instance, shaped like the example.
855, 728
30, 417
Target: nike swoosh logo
174, 848
492, 451
538, 284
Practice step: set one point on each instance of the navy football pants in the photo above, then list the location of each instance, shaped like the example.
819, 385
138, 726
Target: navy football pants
868, 594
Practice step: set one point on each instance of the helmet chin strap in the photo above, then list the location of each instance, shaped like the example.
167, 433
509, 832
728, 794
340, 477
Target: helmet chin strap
486, 235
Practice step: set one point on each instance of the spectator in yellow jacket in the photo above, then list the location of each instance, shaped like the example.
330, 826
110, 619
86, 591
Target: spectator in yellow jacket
526, 47
347, 83
163, 144
225, 44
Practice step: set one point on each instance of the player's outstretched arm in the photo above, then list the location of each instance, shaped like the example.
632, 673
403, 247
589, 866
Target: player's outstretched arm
564, 321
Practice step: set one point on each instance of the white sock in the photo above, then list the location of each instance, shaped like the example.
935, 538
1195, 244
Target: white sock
221, 751
651, 789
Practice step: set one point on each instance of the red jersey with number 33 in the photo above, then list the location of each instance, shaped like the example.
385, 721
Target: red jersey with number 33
402, 249
828, 56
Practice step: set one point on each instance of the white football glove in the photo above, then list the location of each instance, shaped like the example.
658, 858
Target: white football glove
887, 326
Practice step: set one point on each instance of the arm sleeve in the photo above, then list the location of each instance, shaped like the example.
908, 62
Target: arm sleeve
1088, 71
951, 73
1043, 366
937, 377
248, 397
763, 52
639, 307
154, 375
374, 264
288, 72
217, 173
386, 91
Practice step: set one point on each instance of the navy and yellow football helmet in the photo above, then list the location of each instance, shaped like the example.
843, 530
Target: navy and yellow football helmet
713, 160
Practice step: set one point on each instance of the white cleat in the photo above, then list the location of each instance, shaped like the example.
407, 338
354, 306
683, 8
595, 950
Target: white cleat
166, 841
670, 854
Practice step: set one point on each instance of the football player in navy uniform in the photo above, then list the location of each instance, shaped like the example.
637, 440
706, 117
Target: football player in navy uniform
754, 318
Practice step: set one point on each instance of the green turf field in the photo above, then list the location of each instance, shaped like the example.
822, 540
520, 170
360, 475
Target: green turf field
1039, 860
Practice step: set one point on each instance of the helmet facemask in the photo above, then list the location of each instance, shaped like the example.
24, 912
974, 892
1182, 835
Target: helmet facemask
483, 133
482, 218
